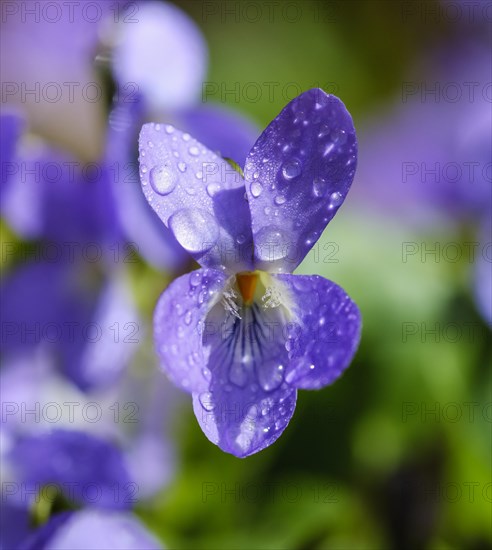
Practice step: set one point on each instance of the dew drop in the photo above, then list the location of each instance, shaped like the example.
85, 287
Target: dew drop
272, 243
299, 371
169, 129
143, 168
270, 375
188, 318
319, 187
195, 230
238, 375
328, 149
194, 151
195, 278
163, 180
206, 402
279, 199
186, 137
212, 189
182, 167
291, 169
256, 189
335, 199
339, 136
157, 127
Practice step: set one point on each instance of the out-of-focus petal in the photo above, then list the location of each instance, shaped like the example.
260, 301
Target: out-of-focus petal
222, 130
87, 470
52, 196
248, 403
140, 224
198, 195
162, 53
93, 530
114, 336
65, 100
297, 176
179, 325
325, 333
39, 302
89, 326
14, 523
11, 126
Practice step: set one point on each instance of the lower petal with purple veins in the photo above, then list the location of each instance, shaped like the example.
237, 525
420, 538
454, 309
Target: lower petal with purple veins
247, 404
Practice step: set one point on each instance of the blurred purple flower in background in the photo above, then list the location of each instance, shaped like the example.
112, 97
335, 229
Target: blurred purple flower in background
213, 328
427, 161
107, 453
93, 530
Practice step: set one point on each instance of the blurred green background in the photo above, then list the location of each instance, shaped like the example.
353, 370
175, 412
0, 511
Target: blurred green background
397, 453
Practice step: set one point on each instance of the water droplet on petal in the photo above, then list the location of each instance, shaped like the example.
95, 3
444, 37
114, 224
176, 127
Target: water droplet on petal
256, 189
169, 129
319, 187
339, 136
279, 199
182, 167
194, 151
291, 169
195, 278
157, 127
143, 168
188, 318
299, 371
163, 180
206, 402
238, 375
195, 230
213, 188
271, 243
270, 375
328, 149
186, 137
335, 199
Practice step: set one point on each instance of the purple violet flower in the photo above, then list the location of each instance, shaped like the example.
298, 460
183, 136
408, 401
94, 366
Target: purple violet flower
242, 333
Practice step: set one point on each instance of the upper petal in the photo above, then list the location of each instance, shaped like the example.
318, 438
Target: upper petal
297, 176
178, 325
198, 195
325, 332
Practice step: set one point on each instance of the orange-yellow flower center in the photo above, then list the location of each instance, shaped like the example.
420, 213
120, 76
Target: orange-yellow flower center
246, 283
